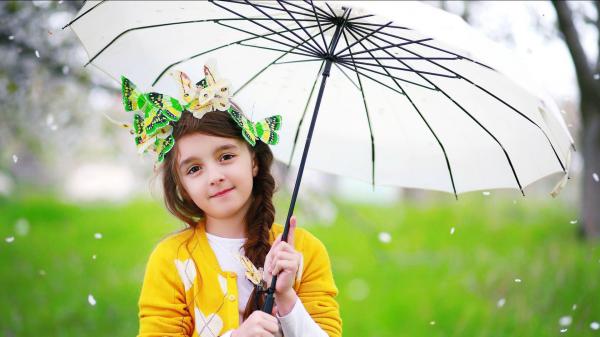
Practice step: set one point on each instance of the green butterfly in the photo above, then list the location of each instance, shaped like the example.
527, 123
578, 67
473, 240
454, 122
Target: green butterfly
263, 129
151, 124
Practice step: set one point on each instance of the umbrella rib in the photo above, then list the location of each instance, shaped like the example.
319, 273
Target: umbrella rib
319, 24
471, 116
323, 12
345, 64
357, 41
82, 14
459, 56
274, 49
296, 61
403, 69
309, 11
360, 17
383, 48
308, 53
449, 166
161, 25
265, 68
286, 28
267, 28
489, 93
304, 29
414, 58
375, 24
348, 77
244, 2
219, 47
387, 75
312, 90
362, 92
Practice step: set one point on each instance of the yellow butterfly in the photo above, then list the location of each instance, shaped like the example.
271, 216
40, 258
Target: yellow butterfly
252, 273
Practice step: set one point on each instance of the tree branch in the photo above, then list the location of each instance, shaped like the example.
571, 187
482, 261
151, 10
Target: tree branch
590, 89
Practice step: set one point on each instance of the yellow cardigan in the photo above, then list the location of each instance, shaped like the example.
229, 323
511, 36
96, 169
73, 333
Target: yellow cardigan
185, 292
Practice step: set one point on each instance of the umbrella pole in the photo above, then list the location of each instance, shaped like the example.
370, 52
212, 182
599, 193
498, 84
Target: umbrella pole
268, 305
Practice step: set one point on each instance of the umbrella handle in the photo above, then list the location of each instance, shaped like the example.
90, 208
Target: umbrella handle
268, 305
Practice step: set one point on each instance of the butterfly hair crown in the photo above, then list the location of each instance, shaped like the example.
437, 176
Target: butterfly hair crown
155, 114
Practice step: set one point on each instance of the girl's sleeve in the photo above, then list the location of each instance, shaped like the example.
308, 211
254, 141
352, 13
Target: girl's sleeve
317, 289
162, 305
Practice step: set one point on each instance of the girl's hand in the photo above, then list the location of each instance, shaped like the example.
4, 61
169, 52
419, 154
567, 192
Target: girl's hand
283, 260
258, 324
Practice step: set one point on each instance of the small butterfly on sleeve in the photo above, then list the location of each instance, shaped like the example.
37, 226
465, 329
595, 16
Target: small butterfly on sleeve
263, 129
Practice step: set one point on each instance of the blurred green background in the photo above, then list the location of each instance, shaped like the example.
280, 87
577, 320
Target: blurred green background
483, 266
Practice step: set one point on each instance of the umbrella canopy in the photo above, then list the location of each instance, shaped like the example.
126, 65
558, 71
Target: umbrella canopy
400, 109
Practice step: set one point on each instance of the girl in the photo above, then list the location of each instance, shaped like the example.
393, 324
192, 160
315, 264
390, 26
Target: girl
216, 178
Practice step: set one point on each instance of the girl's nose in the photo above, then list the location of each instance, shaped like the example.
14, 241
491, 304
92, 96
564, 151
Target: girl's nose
216, 177
216, 181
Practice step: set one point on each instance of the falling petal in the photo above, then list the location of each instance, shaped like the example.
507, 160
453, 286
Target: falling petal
53, 127
486, 193
15, 158
565, 320
518, 280
50, 119
595, 176
574, 306
91, 299
37, 53
563, 330
595, 325
432, 322
22, 227
358, 289
451, 230
65, 69
10, 239
11, 37
563, 112
98, 236
501, 302
573, 222
94, 257
597, 76
385, 237
42, 272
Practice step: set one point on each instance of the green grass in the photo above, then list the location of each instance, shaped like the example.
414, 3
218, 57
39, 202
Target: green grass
423, 275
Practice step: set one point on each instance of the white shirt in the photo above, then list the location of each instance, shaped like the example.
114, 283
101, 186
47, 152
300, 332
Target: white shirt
295, 324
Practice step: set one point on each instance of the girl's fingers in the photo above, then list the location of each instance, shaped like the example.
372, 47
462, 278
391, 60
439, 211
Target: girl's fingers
284, 265
292, 231
282, 256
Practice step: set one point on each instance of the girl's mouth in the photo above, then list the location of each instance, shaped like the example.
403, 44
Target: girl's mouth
222, 193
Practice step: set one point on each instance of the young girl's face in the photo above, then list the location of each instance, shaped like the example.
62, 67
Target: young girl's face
208, 165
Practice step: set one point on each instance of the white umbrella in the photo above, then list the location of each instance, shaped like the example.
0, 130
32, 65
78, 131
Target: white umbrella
401, 108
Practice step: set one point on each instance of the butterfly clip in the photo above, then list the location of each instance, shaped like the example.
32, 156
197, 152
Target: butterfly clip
155, 113
253, 274
209, 94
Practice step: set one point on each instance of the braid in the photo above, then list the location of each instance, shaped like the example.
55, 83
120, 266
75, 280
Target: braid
259, 219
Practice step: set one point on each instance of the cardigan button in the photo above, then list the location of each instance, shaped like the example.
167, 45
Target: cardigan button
231, 297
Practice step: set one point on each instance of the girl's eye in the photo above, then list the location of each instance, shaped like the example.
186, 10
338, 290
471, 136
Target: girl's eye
193, 169
227, 155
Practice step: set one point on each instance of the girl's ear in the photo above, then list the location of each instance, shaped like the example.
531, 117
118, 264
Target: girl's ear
254, 165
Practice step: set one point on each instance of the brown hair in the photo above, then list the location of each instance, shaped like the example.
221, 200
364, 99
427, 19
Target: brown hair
261, 213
